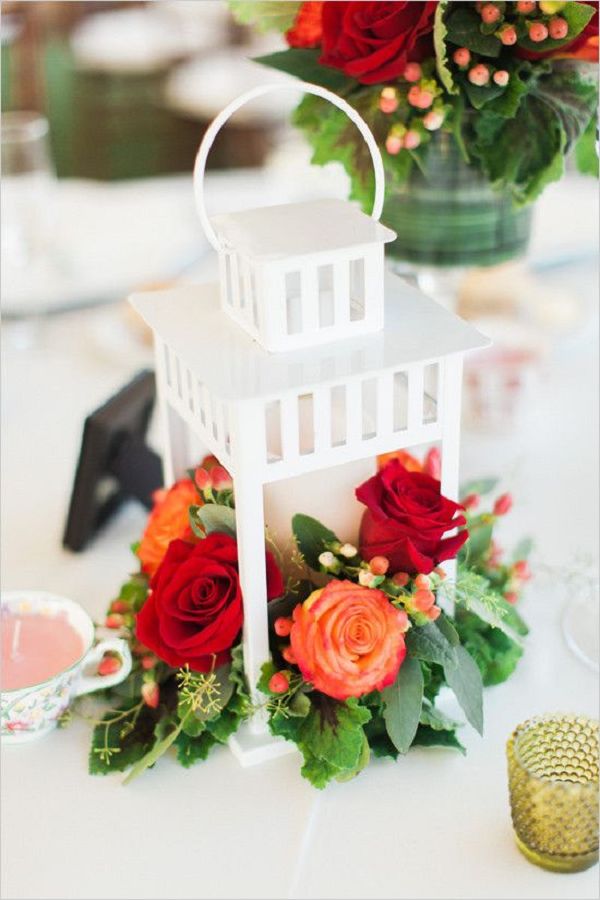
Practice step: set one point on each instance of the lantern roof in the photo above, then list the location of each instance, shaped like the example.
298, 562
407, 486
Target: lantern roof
234, 367
298, 229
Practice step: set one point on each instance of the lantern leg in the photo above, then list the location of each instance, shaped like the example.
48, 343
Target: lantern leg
451, 406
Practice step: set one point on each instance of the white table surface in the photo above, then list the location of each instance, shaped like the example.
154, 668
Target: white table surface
432, 825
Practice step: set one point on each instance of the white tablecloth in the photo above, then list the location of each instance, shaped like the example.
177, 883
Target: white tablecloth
432, 825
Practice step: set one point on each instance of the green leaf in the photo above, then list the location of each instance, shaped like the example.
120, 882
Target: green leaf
265, 15
402, 704
115, 745
318, 772
495, 654
299, 705
464, 679
153, 755
479, 486
431, 737
436, 719
267, 670
478, 543
333, 731
311, 538
479, 96
191, 750
507, 103
441, 52
463, 26
577, 15
448, 630
522, 549
217, 518
586, 154
363, 762
571, 91
224, 725
427, 642
304, 64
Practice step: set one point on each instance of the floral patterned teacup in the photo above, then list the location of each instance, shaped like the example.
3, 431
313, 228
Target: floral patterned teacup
30, 712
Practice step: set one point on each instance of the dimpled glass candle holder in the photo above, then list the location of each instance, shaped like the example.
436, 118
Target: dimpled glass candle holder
553, 783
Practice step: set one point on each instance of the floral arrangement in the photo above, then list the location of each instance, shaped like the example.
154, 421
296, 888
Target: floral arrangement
511, 82
363, 637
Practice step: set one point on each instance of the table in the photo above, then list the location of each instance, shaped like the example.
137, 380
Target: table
432, 825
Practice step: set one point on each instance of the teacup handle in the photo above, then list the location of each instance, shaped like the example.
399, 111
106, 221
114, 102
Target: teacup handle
89, 683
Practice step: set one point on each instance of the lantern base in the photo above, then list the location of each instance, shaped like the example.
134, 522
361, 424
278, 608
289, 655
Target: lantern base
251, 749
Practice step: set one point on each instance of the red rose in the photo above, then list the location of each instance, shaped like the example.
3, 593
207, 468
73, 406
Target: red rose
194, 611
374, 41
406, 519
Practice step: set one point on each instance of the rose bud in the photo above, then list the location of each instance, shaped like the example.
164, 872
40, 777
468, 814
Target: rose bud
412, 139
558, 28
508, 36
425, 100
401, 579
348, 551
462, 57
279, 683
479, 75
471, 501
521, 570
490, 13
119, 606
148, 662
503, 505
525, 7
393, 144
114, 620
501, 77
423, 582
433, 120
388, 100
511, 597
413, 95
109, 665
151, 694
202, 479
289, 655
379, 565
221, 479
282, 626
412, 72
537, 32
434, 613
423, 600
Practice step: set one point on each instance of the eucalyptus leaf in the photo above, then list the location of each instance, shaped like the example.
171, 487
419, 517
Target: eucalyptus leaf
402, 704
217, 518
432, 737
427, 642
464, 679
436, 719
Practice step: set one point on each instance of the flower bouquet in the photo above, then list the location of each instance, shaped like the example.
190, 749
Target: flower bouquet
363, 636
474, 105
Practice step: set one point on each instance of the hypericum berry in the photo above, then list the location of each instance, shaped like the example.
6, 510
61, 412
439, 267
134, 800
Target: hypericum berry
433, 120
503, 505
537, 32
379, 565
422, 581
425, 100
495, 554
479, 75
327, 559
221, 479
414, 95
289, 655
388, 100
114, 620
501, 77
558, 28
525, 7
109, 665
434, 613
282, 626
151, 694
521, 570
412, 139
462, 57
393, 144
471, 501
401, 579
412, 72
148, 662
508, 36
348, 551
366, 579
119, 606
279, 683
202, 479
490, 13
423, 600
511, 596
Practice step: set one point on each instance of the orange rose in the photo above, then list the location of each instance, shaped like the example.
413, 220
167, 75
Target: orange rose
168, 520
348, 640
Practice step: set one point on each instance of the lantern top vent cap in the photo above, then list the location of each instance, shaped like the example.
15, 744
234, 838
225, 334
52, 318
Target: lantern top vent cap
298, 229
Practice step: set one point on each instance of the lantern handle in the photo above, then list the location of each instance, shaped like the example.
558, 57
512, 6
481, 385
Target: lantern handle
308, 88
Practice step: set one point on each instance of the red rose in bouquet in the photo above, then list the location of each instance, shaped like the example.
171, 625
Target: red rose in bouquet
194, 612
373, 42
406, 519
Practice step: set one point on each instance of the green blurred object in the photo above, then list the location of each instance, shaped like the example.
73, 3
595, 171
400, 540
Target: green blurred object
450, 215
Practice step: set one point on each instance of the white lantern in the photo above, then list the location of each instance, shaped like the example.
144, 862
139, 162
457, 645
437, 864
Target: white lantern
337, 391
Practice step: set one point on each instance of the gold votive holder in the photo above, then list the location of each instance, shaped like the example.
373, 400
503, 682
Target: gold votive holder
553, 784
